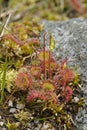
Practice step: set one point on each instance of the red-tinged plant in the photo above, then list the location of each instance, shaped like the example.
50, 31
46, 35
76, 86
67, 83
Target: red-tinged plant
51, 88
24, 81
53, 66
63, 64
63, 75
46, 82
77, 5
33, 41
68, 93
35, 71
13, 39
67, 75
35, 95
48, 85
18, 49
57, 81
44, 55
44, 96
48, 65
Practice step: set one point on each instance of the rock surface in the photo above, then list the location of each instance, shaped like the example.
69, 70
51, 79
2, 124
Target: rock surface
71, 43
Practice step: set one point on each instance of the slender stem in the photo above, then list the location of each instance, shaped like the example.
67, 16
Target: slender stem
42, 119
35, 57
49, 65
10, 96
44, 57
49, 56
5, 25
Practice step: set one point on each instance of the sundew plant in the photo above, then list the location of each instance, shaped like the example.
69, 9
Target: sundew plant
48, 86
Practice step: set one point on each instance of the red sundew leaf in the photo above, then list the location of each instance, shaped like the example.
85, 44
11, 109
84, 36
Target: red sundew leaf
53, 65
77, 5
48, 85
23, 80
57, 81
10, 37
63, 77
35, 71
36, 94
32, 41
66, 75
68, 93
63, 64
47, 96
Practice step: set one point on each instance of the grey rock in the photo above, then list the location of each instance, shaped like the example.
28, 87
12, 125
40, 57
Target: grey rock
4, 128
28, 129
76, 99
71, 43
46, 126
81, 118
1, 123
12, 110
0, 117
10, 103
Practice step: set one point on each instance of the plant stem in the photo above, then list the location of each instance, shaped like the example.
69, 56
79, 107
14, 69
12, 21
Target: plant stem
10, 97
4, 26
42, 119
49, 56
44, 57
35, 58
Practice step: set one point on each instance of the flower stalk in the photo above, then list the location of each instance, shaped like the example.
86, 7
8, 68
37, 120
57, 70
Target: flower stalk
44, 50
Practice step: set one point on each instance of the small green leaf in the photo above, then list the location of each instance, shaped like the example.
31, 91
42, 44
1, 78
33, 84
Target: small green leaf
57, 108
